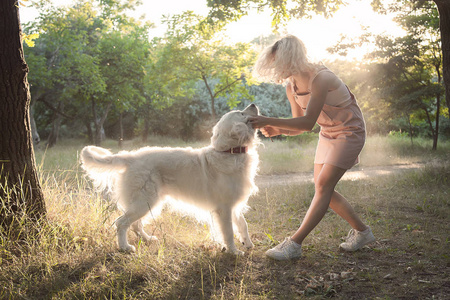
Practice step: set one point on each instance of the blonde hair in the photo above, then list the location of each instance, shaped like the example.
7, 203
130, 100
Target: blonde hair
284, 58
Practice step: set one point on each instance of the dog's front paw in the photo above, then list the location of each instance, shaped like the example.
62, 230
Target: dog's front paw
127, 249
248, 244
149, 238
235, 251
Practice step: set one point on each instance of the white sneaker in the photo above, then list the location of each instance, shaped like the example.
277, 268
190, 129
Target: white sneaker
286, 250
357, 239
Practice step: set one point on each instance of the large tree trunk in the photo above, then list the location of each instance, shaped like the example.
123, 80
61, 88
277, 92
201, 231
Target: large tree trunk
444, 25
20, 192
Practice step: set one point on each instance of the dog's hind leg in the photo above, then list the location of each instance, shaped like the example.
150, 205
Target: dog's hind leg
241, 224
138, 228
223, 217
135, 212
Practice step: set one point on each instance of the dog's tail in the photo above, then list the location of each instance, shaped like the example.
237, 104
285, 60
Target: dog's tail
101, 165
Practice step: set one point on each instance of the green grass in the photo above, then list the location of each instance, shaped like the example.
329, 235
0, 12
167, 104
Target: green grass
75, 255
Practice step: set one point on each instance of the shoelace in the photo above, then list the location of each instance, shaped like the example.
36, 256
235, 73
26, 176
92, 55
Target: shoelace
351, 236
283, 245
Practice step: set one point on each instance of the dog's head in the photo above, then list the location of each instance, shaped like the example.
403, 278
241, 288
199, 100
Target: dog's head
234, 129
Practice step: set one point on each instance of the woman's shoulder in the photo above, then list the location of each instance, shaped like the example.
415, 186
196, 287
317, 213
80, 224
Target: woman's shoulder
325, 74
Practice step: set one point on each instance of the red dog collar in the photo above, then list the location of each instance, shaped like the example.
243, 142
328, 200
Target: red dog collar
237, 150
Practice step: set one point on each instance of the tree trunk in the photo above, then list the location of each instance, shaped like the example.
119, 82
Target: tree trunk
98, 123
430, 124
436, 126
121, 131
89, 132
146, 130
20, 192
56, 125
410, 128
34, 131
212, 96
444, 25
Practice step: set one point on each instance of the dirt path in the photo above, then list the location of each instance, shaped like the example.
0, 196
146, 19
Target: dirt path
352, 174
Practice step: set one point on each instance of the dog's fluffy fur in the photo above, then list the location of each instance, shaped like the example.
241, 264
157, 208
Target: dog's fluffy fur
209, 178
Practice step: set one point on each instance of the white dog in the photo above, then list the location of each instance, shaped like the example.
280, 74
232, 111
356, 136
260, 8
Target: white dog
218, 178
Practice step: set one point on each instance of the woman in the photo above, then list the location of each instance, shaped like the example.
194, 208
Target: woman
316, 95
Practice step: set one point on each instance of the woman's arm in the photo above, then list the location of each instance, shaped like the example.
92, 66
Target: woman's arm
299, 122
296, 111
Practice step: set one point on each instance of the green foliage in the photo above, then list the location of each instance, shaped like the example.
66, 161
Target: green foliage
90, 54
93, 66
199, 54
403, 79
223, 11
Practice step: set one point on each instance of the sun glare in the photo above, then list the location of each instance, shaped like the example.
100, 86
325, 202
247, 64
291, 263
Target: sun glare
318, 33
352, 21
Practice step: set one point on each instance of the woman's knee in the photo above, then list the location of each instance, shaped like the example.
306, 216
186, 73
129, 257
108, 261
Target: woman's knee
326, 180
324, 187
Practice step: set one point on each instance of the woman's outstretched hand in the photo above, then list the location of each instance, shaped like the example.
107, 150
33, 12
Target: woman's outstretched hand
261, 123
258, 121
269, 131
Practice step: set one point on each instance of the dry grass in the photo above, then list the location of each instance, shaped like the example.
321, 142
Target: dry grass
75, 256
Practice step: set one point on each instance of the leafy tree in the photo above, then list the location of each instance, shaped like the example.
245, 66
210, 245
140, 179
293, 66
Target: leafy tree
21, 196
203, 56
88, 60
162, 85
438, 20
222, 11
122, 56
407, 74
64, 63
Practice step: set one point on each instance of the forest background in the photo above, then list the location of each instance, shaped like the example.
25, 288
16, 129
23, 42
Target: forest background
95, 72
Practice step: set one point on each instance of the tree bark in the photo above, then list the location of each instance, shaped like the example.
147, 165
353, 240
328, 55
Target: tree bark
20, 192
444, 26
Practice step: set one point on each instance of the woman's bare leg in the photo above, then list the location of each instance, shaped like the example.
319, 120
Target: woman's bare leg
326, 177
341, 206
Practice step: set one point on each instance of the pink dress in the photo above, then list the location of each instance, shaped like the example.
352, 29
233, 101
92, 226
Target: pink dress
342, 127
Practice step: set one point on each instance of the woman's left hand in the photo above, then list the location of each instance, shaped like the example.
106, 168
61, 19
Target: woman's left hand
258, 121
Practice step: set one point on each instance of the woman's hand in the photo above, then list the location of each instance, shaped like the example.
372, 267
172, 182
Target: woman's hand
262, 123
258, 121
269, 131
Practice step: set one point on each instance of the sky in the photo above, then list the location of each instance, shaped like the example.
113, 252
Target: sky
317, 33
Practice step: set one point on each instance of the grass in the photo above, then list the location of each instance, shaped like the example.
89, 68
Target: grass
75, 256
